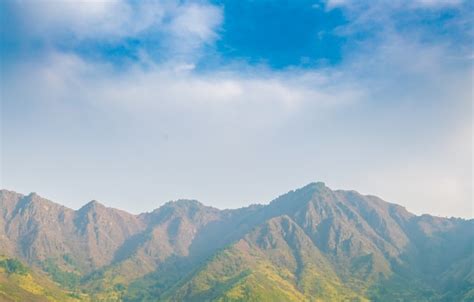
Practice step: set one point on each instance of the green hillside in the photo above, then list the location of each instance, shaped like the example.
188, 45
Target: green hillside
274, 262
19, 283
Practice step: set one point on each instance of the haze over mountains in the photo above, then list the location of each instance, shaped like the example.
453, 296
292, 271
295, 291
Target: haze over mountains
311, 244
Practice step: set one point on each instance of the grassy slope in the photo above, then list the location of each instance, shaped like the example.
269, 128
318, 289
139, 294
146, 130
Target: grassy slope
276, 262
26, 285
239, 274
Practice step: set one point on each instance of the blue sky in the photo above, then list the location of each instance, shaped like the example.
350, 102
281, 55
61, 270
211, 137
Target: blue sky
235, 102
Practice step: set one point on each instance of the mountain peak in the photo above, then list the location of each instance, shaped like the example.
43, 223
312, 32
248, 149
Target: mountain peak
35, 199
318, 183
92, 205
33, 196
315, 185
185, 203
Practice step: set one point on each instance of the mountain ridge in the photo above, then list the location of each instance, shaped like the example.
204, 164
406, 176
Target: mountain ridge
312, 242
311, 184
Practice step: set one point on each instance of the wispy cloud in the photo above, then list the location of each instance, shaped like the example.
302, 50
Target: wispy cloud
400, 4
65, 77
179, 28
117, 18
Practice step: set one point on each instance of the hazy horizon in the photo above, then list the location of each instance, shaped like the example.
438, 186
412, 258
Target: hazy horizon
135, 104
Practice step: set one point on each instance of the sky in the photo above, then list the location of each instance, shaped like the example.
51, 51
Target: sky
135, 103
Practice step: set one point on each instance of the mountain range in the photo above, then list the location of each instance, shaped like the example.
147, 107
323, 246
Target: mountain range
310, 244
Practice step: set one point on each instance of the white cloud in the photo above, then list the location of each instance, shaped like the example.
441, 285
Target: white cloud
382, 121
180, 29
63, 76
436, 3
196, 20
192, 26
399, 4
361, 125
82, 18
330, 4
184, 25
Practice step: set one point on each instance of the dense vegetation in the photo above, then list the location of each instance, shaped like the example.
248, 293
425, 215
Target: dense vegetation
18, 283
13, 266
69, 280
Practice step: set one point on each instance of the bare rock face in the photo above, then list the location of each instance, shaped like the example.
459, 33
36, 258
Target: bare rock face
102, 231
36, 226
37, 229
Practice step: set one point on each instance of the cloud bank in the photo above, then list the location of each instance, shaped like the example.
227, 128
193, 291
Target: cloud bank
393, 118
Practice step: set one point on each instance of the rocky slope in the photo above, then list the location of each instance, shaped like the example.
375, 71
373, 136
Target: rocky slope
311, 244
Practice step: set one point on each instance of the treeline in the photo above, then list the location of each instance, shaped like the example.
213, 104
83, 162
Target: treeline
13, 266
